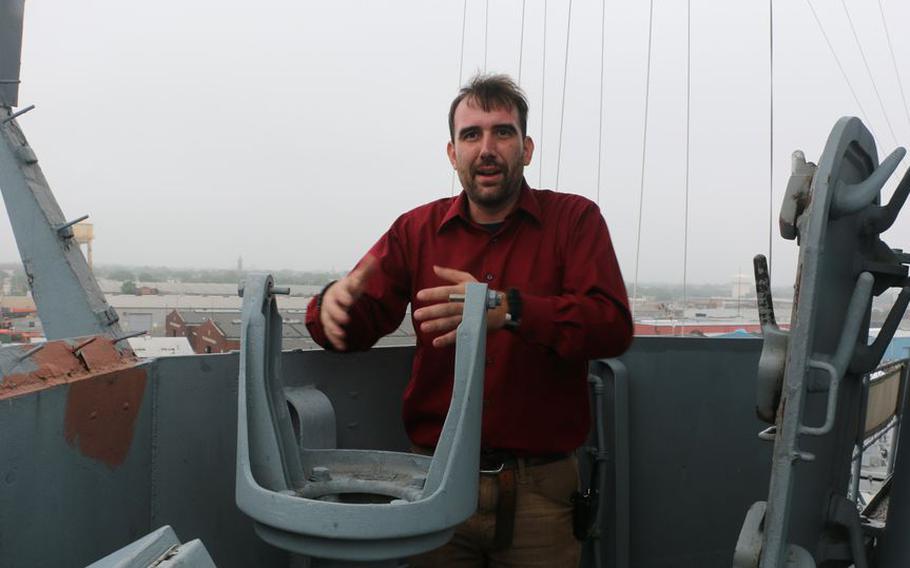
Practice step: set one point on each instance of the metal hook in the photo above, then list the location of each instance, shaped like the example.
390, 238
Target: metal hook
852, 198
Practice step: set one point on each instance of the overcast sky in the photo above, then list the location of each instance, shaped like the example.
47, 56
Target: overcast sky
293, 133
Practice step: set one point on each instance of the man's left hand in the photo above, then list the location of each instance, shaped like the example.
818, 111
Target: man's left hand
443, 317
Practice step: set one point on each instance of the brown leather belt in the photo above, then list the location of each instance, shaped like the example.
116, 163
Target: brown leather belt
496, 461
504, 465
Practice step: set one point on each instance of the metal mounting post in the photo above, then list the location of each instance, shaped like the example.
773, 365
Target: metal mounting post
294, 487
69, 301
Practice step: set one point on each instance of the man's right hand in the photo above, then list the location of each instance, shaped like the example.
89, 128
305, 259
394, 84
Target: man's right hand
338, 300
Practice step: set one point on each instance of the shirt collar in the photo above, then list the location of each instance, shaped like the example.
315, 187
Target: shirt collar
527, 202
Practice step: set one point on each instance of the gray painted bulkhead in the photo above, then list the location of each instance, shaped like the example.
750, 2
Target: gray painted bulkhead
696, 463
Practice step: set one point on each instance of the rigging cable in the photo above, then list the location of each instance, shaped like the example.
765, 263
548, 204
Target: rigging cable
521, 42
543, 91
900, 83
600, 120
562, 111
486, 33
464, 20
862, 54
770, 137
840, 66
688, 141
644, 149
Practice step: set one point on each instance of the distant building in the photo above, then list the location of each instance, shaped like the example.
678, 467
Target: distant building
109, 286
183, 323
706, 328
149, 313
221, 337
149, 347
218, 331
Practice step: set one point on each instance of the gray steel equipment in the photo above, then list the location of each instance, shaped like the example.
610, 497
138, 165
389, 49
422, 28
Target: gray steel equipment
10, 49
893, 549
311, 501
160, 549
810, 379
70, 302
681, 440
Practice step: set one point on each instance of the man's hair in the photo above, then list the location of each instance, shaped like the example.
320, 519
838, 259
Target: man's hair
492, 92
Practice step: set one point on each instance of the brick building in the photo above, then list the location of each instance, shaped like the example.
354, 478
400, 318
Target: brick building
218, 334
182, 323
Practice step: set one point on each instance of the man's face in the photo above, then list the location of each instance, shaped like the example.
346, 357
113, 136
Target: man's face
489, 153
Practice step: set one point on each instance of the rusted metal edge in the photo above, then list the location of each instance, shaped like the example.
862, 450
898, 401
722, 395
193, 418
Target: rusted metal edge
25, 370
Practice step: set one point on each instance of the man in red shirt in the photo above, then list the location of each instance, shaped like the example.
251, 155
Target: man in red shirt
564, 302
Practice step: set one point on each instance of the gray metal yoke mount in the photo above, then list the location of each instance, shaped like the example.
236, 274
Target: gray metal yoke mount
299, 497
810, 377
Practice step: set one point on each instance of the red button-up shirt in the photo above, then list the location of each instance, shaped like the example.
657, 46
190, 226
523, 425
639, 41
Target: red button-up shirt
556, 250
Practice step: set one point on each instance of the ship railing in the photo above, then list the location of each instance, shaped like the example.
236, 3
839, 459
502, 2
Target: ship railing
883, 405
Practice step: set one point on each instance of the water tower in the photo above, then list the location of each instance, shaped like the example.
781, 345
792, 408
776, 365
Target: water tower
84, 234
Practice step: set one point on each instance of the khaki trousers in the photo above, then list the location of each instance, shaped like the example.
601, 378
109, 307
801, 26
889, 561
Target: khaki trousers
543, 524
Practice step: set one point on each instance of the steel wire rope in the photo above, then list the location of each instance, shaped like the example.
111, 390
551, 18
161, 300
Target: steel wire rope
600, 118
900, 83
770, 137
543, 92
486, 33
862, 54
688, 143
840, 66
562, 110
521, 43
644, 152
464, 20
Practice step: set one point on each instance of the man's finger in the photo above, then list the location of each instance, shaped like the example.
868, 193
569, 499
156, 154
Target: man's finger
336, 314
439, 293
439, 311
446, 340
343, 295
452, 275
441, 324
335, 335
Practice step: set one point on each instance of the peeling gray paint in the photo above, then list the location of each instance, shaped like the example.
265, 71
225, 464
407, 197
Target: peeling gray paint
10, 362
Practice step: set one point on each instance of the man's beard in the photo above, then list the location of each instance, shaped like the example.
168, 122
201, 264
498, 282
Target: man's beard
512, 178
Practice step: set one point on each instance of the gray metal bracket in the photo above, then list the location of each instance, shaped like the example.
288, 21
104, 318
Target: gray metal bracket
313, 418
69, 301
810, 384
300, 499
604, 373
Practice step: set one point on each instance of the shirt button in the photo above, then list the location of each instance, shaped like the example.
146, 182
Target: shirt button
489, 276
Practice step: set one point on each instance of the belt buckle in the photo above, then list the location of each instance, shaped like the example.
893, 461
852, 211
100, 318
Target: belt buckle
493, 471
494, 461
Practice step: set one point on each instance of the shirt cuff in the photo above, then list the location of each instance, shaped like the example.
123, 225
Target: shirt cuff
314, 325
536, 324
